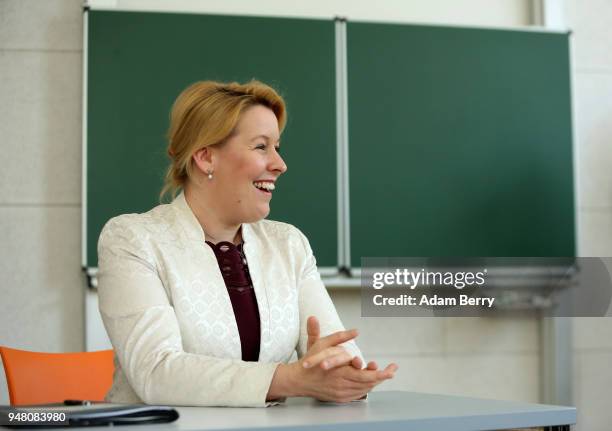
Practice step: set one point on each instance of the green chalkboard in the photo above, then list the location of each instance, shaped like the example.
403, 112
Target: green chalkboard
139, 62
460, 142
460, 139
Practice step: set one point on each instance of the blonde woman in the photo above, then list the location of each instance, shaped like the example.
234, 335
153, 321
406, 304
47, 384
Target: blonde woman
205, 301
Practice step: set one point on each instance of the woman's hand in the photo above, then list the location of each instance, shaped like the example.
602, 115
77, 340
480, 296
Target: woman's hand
339, 376
341, 384
326, 352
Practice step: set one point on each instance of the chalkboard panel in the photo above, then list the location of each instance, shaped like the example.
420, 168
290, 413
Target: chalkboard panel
460, 142
459, 139
139, 62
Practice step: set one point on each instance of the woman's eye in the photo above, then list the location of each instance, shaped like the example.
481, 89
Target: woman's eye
277, 149
261, 147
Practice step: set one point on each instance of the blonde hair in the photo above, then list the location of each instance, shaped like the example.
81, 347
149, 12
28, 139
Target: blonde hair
206, 113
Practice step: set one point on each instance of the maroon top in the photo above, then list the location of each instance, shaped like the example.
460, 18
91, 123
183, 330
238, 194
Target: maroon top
235, 271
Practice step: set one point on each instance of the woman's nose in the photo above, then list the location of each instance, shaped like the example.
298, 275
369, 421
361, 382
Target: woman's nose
277, 163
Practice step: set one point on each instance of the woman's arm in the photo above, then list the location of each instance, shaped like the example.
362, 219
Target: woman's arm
146, 336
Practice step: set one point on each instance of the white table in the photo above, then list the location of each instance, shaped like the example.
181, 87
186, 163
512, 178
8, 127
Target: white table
384, 411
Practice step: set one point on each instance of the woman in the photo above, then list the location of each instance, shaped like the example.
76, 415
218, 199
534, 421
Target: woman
204, 301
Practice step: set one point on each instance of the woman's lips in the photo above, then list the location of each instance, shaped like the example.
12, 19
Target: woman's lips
264, 192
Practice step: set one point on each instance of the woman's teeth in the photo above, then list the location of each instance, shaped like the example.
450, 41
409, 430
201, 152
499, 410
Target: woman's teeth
264, 185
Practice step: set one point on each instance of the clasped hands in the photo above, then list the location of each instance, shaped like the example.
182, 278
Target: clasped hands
328, 372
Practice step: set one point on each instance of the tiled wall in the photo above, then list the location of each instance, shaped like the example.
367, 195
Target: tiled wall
480, 357
42, 289
41, 305
591, 22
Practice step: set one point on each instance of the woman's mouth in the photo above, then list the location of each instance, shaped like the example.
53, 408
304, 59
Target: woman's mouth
264, 186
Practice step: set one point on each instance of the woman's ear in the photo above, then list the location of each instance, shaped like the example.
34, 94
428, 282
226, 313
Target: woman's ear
203, 160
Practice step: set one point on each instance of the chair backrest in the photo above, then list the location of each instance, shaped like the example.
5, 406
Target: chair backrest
40, 378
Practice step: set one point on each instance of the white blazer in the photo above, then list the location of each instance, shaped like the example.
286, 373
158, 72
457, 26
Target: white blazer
169, 317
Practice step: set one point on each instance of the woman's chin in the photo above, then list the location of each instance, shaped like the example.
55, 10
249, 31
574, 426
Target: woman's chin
257, 215
265, 212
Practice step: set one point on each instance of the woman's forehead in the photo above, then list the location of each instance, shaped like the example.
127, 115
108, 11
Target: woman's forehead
257, 121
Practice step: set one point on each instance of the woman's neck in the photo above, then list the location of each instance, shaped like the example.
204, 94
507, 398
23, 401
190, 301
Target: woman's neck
215, 230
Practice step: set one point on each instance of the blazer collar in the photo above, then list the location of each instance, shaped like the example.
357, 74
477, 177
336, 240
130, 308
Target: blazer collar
191, 226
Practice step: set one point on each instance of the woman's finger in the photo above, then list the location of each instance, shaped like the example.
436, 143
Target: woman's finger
342, 358
357, 363
314, 331
337, 338
366, 375
388, 372
362, 376
318, 358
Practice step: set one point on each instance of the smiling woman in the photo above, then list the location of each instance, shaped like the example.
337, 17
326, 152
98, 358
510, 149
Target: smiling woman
241, 173
203, 299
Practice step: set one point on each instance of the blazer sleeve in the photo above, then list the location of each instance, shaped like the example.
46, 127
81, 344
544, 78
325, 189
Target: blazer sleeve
144, 331
315, 301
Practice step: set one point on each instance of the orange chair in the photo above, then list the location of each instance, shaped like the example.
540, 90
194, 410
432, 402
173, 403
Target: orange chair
40, 378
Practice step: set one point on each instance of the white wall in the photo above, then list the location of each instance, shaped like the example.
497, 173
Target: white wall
591, 22
41, 288
480, 357
472, 12
40, 282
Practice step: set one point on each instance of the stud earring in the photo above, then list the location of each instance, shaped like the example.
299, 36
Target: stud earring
209, 172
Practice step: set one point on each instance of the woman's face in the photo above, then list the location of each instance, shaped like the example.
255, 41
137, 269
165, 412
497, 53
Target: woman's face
246, 167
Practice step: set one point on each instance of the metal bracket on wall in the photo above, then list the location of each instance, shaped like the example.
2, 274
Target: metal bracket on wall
342, 146
92, 277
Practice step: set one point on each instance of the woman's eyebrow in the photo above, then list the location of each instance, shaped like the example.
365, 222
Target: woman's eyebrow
266, 137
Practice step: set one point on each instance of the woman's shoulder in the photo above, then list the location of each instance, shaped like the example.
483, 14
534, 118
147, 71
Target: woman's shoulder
139, 225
